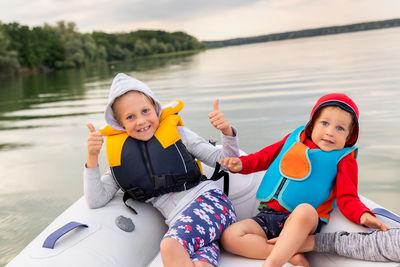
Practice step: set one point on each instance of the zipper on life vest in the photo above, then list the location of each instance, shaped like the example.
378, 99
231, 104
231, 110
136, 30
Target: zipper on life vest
146, 157
280, 186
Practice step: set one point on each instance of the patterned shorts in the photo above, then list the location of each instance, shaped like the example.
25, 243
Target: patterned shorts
272, 222
200, 226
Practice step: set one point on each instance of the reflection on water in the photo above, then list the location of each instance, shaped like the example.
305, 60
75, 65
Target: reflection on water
17, 93
5, 146
266, 90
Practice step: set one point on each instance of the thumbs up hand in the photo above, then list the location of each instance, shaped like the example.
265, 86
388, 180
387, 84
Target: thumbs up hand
95, 142
218, 120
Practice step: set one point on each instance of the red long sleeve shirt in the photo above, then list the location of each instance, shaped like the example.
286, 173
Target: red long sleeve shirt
346, 181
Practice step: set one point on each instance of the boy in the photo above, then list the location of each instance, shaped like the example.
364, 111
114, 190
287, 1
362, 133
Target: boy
150, 155
306, 172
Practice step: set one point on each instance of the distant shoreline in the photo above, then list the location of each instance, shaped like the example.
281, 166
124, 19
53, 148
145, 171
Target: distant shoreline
27, 51
365, 26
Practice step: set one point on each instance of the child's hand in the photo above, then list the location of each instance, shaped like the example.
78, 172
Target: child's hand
219, 121
233, 164
369, 220
95, 142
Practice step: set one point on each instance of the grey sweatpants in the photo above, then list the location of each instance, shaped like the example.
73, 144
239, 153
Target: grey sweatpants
372, 246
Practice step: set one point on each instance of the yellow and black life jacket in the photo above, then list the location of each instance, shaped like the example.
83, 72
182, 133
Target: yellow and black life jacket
146, 169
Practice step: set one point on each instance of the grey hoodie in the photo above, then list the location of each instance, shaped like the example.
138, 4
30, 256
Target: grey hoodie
122, 84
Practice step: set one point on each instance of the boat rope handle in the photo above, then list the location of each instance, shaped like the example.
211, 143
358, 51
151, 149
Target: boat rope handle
387, 214
53, 237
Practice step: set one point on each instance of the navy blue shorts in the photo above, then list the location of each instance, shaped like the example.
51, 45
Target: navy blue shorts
272, 222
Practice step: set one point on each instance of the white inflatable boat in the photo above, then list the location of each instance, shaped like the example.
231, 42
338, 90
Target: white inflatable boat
92, 237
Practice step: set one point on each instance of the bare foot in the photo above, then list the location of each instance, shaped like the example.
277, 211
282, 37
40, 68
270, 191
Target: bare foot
308, 245
299, 260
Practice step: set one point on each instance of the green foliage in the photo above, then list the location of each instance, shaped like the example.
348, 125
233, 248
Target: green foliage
62, 46
8, 59
121, 46
78, 49
37, 47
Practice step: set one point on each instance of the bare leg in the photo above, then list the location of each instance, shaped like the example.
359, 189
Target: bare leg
300, 224
246, 238
174, 254
299, 260
308, 245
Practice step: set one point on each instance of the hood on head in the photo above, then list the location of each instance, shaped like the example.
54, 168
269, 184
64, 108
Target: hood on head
339, 100
121, 84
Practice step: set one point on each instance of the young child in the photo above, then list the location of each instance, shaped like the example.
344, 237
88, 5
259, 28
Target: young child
306, 172
151, 157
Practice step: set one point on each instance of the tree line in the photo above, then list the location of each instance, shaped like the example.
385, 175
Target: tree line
62, 46
306, 33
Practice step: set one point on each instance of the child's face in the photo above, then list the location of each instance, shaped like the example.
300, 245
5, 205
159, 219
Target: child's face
137, 115
332, 128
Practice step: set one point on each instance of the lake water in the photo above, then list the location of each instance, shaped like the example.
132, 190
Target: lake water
265, 89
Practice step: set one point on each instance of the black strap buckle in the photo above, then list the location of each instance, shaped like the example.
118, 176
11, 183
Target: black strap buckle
161, 182
135, 193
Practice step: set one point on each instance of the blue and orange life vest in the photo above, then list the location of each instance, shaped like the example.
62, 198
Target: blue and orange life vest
145, 169
303, 175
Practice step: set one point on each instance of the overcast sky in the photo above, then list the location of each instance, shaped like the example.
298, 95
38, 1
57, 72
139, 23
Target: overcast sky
204, 19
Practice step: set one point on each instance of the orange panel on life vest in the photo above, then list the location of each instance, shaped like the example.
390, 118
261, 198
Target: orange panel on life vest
294, 163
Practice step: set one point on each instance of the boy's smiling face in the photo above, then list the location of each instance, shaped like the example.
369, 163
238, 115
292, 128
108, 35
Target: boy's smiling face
137, 114
332, 128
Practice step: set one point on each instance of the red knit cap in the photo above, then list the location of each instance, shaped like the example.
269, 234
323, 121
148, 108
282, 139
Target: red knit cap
342, 101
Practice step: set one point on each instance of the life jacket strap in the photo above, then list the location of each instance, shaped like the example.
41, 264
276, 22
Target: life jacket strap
135, 193
164, 184
218, 174
176, 182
